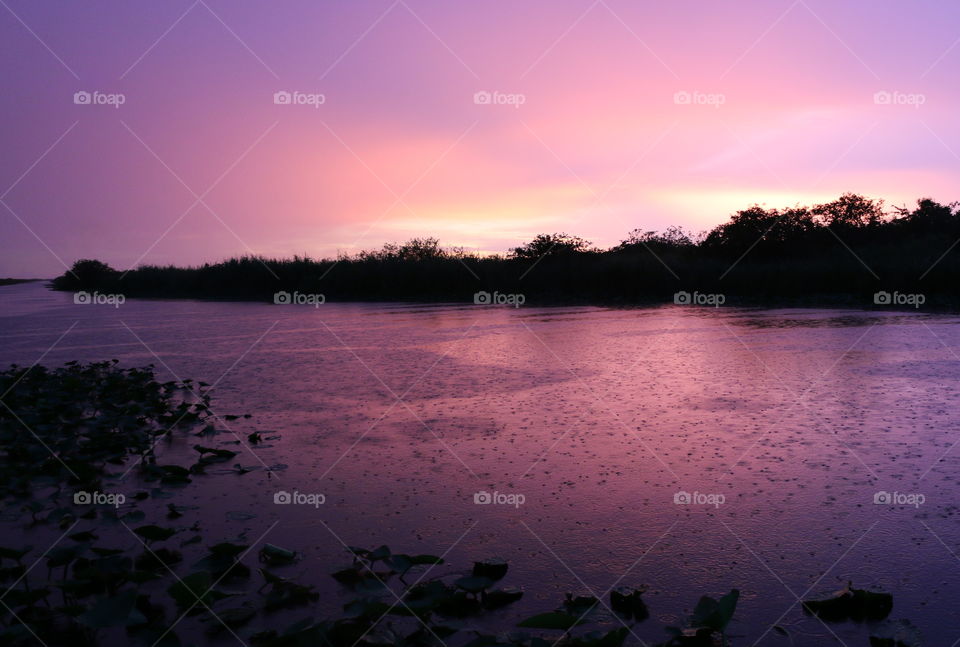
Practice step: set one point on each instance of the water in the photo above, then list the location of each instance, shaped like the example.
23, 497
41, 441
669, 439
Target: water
598, 417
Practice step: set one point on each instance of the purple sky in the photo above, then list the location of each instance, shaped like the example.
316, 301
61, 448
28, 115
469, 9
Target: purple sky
585, 131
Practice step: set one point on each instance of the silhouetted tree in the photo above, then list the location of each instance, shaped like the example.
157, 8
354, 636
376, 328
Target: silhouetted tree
760, 227
929, 215
672, 238
850, 211
86, 272
556, 244
415, 249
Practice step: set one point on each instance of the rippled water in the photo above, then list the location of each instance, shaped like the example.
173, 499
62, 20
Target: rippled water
399, 414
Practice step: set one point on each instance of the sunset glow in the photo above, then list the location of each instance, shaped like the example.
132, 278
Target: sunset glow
602, 117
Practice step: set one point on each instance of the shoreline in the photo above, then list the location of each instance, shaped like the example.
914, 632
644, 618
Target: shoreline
846, 301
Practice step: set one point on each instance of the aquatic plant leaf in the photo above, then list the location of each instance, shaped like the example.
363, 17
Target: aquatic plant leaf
63, 555
629, 602
581, 604
17, 597
237, 616
492, 569
213, 455
155, 533
134, 516
276, 555
289, 594
613, 638
367, 608
15, 554
715, 614
271, 578
428, 595
483, 640
194, 589
161, 558
552, 620
473, 584
853, 604
347, 576
116, 611
228, 549
400, 563
442, 631
457, 604
501, 597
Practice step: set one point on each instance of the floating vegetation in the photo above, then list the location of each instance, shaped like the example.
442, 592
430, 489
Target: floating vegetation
851, 604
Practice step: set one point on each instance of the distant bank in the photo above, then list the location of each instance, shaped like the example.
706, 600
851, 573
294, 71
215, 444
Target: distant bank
15, 281
851, 251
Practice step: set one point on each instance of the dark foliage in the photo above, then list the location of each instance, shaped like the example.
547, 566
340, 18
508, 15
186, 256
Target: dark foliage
841, 251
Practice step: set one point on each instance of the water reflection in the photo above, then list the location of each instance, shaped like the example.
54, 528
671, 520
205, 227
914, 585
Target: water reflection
400, 413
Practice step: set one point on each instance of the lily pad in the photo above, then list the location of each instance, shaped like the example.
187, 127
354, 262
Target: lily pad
851, 604
553, 620
155, 533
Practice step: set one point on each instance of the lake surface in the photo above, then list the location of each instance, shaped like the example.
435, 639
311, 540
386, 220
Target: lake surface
785, 423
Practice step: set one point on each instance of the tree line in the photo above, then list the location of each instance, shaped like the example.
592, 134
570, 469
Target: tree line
840, 251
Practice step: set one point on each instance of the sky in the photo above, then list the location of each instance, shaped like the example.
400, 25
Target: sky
189, 131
